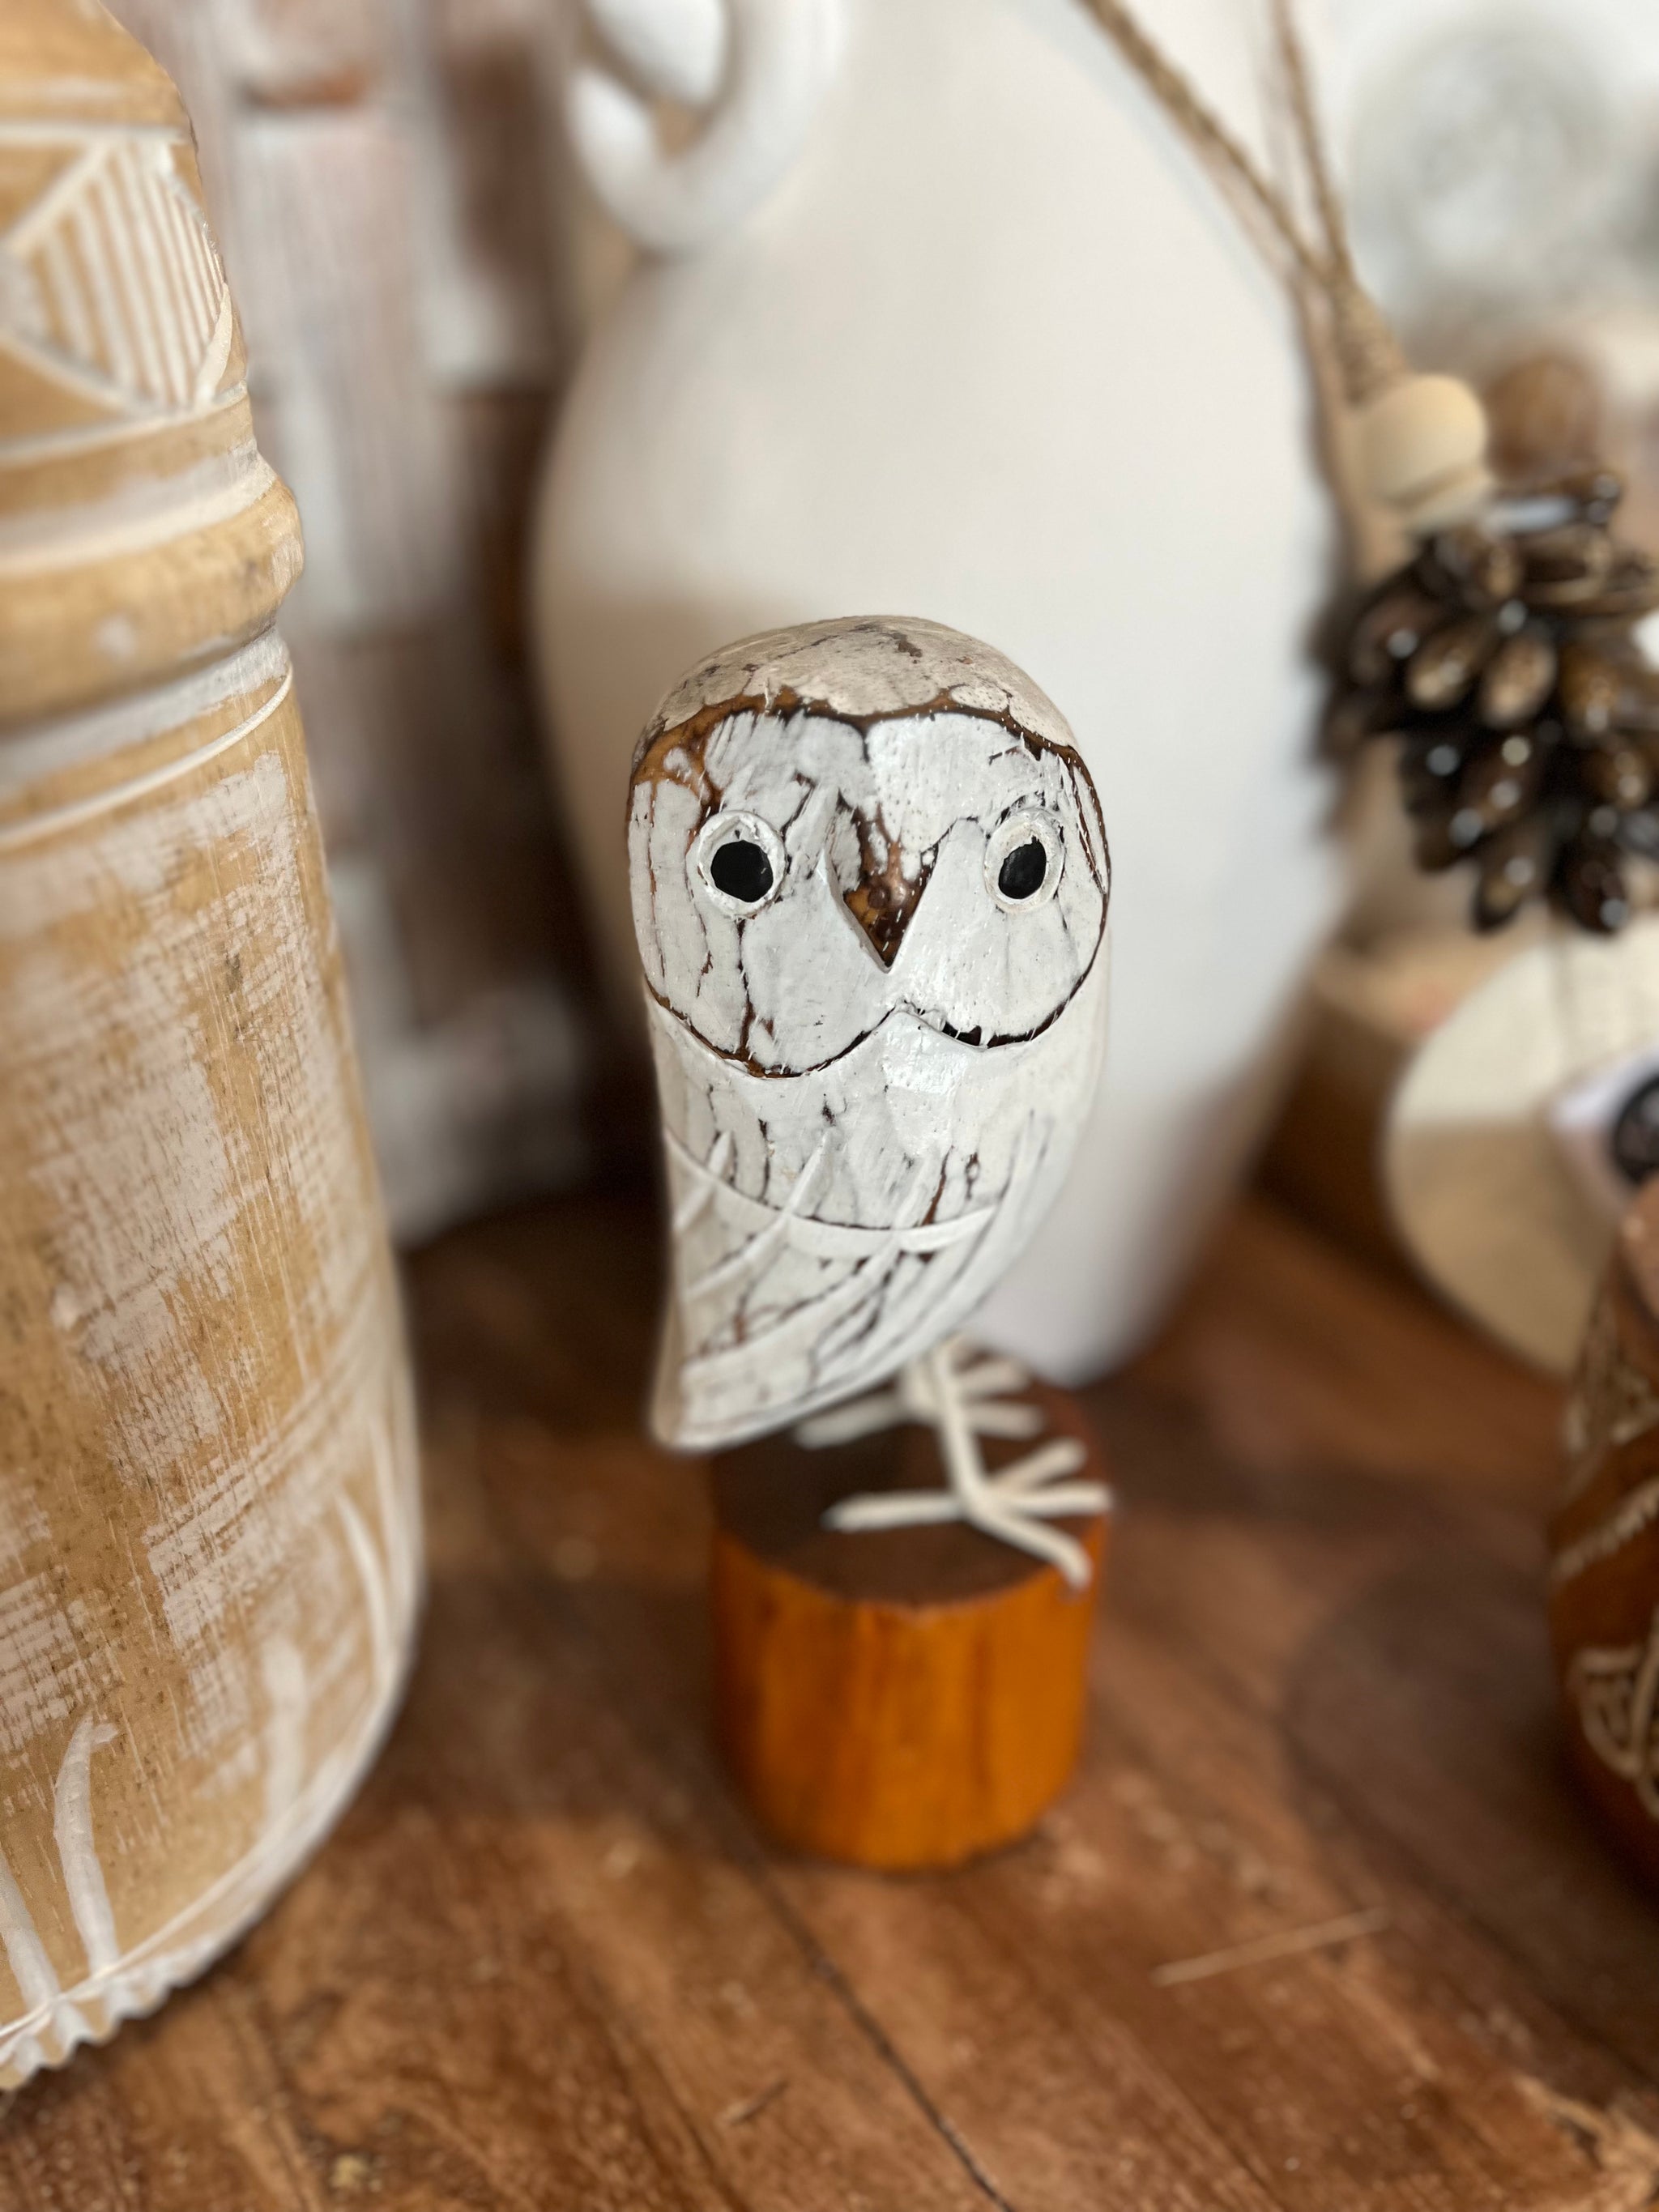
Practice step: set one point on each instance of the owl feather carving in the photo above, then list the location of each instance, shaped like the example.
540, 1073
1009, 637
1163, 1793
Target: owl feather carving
870, 880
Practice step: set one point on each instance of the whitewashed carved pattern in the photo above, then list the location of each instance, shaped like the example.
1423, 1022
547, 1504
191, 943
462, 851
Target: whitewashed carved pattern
1612, 1403
110, 284
1616, 1692
302, 1795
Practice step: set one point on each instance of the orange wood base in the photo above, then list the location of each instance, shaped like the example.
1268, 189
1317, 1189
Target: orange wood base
904, 1699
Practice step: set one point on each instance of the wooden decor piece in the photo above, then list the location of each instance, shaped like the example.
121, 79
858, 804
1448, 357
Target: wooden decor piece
1497, 1156
903, 1698
1604, 1545
209, 1524
870, 884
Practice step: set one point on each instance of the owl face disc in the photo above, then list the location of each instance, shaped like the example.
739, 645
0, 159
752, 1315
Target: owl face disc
870, 884
799, 878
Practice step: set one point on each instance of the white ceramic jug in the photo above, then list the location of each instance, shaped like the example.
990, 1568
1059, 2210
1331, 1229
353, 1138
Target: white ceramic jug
938, 316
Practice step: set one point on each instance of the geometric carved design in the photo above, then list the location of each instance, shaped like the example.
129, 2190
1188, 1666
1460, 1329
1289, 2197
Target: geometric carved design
110, 282
1612, 1405
1616, 1692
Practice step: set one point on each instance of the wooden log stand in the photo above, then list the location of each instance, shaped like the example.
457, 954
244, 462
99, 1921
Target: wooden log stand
899, 1699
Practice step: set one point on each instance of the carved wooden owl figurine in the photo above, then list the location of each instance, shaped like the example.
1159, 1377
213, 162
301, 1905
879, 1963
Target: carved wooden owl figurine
869, 879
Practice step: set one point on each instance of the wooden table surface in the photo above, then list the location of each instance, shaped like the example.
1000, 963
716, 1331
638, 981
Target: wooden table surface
545, 1962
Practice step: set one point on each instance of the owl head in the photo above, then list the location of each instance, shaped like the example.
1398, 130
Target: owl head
847, 823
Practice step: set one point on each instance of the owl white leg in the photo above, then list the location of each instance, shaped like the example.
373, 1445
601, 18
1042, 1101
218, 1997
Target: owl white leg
960, 1404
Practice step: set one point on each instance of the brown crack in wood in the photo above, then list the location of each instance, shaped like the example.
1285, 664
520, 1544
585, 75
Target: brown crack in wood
659, 738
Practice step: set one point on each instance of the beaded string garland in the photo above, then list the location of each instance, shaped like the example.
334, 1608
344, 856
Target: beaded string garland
1502, 657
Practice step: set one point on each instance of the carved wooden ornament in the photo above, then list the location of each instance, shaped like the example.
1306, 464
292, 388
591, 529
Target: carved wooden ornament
870, 880
1604, 1545
209, 1533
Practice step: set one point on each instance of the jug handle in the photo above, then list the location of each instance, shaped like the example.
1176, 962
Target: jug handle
758, 69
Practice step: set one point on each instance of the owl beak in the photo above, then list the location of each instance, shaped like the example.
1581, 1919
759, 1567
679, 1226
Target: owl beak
883, 903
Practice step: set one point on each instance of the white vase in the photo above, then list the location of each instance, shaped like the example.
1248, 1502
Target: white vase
954, 325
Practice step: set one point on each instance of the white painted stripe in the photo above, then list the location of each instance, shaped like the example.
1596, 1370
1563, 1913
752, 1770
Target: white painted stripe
14, 836
175, 309
140, 515
150, 1966
41, 216
702, 1192
398, 1550
95, 437
149, 219
287, 1706
106, 302
26, 1954
53, 746
31, 133
202, 272
77, 1846
183, 284
1633, 1513
94, 384
63, 285
216, 359
361, 1546
201, 263
114, 207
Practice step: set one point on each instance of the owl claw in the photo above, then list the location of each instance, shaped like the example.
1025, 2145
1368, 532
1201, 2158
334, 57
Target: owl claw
1019, 1521
1012, 1505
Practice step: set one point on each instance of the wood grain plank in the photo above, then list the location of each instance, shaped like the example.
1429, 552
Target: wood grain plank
1343, 2048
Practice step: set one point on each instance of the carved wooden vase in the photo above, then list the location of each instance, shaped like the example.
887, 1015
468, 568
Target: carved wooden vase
209, 1525
1604, 1546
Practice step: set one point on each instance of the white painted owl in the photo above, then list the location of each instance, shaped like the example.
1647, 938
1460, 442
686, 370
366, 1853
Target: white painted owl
869, 879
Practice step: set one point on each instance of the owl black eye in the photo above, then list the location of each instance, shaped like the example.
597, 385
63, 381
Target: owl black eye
742, 871
1021, 874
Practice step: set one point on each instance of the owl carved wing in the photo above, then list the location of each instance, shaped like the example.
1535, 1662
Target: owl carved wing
777, 1311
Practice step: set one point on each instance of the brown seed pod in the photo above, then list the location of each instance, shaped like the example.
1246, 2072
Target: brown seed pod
1593, 884
1389, 631
1441, 836
1595, 491
1500, 782
1515, 866
1591, 688
1499, 643
1567, 565
1472, 566
1430, 762
1631, 589
1634, 689
1619, 774
1518, 678
1353, 717
1444, 667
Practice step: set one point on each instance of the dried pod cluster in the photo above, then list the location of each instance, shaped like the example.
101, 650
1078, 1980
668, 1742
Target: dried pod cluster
1502, 660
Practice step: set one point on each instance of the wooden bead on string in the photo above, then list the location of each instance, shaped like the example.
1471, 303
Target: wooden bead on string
1420, 444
